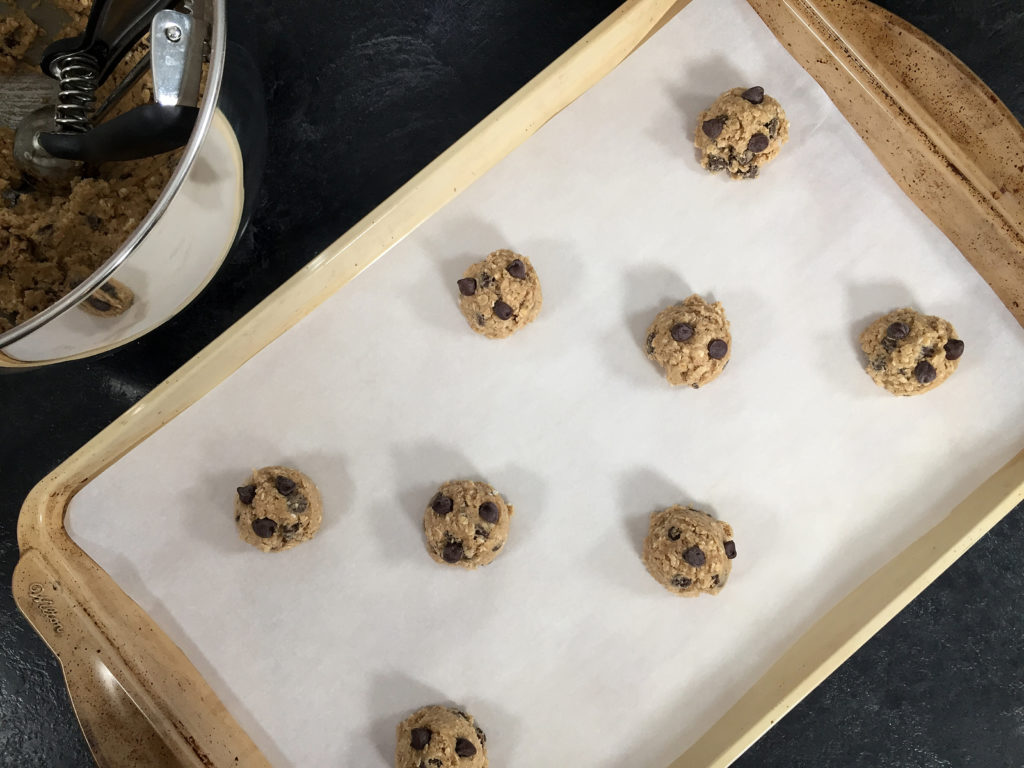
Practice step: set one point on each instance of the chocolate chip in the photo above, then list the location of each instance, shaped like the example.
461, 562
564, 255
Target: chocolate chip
98, 304
897, 331
464, 748
485, 279
452, 552
264, 527
754, 95
924, 372
713, 128
695, 556
10, 197
681, 581
246, 493
94, 222
441, 504
717, 163
758, 143
480, 319
502, 310
495, 549
773, 127
681, 331
461, 714
480, 734
749, 173
715, 580
480, 533
517, 269
284, 485
927, 351
650, 342
717, 349
420, 737
467, 286
954, 348
674, 533
489, 512
730, 549
878, 364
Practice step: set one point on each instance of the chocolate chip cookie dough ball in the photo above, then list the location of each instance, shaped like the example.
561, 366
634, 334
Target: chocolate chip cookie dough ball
688, 552
440, 737
690, 341
741, 132
500, 294
111, 299
277, 509
909, 353
466, 524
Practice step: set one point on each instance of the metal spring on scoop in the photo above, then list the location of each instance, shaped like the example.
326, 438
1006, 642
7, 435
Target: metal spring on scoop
77, 74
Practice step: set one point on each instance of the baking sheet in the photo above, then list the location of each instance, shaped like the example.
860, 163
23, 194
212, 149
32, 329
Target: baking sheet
564, 648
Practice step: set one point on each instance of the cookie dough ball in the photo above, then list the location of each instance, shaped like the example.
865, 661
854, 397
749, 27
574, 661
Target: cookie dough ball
500, 294
440, 737
690, 341
688, 552
111, 299
743, 130
909, 353
466, 524
277, 509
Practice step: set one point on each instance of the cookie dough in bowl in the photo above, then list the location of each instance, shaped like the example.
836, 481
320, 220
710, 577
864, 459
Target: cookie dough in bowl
909, 353
466, 524
64, 236
277, 509
500, 295
688, 552
690, 341
52, 239
741, 132
440, 737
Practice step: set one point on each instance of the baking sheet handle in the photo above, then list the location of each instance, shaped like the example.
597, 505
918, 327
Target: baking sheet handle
116, 730
138, 699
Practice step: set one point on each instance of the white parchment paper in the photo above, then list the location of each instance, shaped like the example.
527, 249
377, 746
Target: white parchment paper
567, 652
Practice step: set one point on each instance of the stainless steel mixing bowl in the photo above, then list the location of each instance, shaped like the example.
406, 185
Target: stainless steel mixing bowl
180, 244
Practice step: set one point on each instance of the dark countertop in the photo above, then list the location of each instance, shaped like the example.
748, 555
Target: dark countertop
362, 95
